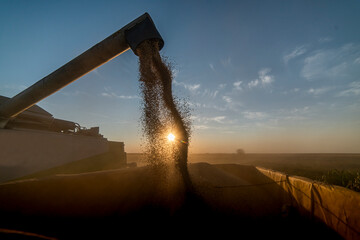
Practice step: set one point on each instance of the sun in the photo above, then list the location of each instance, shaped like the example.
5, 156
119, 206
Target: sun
171, 137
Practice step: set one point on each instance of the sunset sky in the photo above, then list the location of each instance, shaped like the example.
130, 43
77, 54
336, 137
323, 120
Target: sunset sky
265, 76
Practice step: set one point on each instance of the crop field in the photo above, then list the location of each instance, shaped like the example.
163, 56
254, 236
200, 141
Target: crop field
338, 169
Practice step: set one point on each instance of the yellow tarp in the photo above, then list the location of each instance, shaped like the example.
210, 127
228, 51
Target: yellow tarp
336, 206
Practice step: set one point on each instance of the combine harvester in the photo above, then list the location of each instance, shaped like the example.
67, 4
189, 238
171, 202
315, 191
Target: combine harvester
229, 199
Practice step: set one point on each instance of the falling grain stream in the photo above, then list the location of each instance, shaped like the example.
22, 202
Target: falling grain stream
160, 111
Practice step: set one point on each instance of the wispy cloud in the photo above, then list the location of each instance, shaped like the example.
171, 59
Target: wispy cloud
232, 105
201, 127
353, 90
300, 50
332, 63
254, 115
325, 39
207, 120
97, 73
264, 79
295, 112
237, 85
319, 91
222, 86
218, 119
253, 83
226, 62
210, 93
110, 94
212, 66
291, 91
74, 93
190, 87
357, 60
207, 106
227, 99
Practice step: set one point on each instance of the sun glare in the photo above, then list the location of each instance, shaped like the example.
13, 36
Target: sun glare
171, 137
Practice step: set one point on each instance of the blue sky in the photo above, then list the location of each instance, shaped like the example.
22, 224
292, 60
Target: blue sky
266, 76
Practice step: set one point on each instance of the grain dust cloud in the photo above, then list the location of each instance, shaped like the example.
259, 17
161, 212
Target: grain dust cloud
162, 115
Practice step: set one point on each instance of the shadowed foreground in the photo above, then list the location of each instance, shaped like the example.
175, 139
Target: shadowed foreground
228, 199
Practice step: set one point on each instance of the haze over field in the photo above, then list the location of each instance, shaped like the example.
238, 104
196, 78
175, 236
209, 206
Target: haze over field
265, 76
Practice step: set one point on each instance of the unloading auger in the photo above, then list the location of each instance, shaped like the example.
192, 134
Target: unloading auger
130, 36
